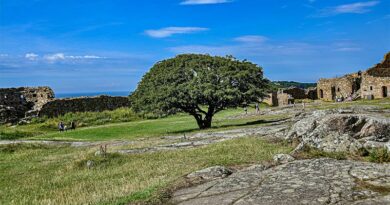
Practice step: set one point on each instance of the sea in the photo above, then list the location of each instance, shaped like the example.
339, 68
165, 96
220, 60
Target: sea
92, 94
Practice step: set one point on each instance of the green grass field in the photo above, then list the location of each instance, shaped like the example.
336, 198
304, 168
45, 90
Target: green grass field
33, 174
38, 174
133, 129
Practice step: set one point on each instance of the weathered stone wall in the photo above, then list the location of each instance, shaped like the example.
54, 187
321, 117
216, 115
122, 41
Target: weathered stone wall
311, 93
288, 95
295, 92
285, 99
375, 87
18, 103
83, 104
329, 89
271, 99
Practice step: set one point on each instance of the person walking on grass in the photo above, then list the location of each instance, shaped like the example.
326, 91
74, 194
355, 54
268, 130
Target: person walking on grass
61, 126
257, 108
72, 125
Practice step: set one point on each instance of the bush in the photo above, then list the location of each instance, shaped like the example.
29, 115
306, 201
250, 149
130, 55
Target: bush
309, 152
84, 119
380, 155
13, 135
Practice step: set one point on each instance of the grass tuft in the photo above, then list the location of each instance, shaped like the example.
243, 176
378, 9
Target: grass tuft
380, 155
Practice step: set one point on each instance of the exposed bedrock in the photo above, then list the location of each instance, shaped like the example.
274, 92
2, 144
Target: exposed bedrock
314, 181
341, 130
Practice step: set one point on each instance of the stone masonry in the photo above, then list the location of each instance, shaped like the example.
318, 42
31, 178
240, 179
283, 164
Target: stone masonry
329, 89
376, 81
371, 84
24, 103
288, 95
83, 104
18, 103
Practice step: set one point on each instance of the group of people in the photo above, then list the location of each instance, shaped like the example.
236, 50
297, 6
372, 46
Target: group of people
62, 127
257, 107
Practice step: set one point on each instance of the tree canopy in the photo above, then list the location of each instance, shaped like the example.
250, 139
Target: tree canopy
200, 85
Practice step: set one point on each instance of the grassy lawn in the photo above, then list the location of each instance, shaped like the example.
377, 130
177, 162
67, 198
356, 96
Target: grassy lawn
172, 125
380, 103
122, 124
36, 174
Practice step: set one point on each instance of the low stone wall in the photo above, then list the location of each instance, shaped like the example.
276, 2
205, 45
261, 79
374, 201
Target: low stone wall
84, 104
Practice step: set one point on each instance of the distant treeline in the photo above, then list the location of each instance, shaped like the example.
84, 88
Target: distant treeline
286, 84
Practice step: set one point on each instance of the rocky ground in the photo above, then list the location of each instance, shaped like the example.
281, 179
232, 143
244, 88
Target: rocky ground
313, 181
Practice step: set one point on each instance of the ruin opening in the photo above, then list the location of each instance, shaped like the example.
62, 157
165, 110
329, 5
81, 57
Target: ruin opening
384, 91
321, 93
333, 93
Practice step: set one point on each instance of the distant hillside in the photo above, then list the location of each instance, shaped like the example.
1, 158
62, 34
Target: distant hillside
286, 84
381, 69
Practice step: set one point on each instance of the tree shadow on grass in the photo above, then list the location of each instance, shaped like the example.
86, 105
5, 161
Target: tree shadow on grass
256, 122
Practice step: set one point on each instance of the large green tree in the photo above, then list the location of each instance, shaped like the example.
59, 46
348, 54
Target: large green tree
200, 85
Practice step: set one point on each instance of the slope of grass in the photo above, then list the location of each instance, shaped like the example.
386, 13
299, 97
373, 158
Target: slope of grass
117, 124
33, 174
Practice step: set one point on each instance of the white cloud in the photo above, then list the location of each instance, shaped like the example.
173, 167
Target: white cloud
348, 49
61, 56
251, 39
273, 48
84, 57
3, 55
92, 57
354, 8
54, 57
169, 31
31, 56
199, 2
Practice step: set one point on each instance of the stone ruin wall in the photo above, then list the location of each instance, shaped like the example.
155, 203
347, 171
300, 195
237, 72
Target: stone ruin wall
271, 99
288, 95
311, 93
24, 103
375, 87
19, 103
371, 84
343, 86
83, 104
35, 96
295, 92
284, 99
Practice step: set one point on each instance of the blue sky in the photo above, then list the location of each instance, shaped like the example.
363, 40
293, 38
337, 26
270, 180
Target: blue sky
107, 45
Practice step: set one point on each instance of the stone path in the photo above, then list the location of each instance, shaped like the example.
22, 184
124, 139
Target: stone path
314, 181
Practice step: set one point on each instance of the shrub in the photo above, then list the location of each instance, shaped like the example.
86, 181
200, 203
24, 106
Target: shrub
380, 155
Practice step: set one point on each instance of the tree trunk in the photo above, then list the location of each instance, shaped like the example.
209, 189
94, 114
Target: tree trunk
204, 123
